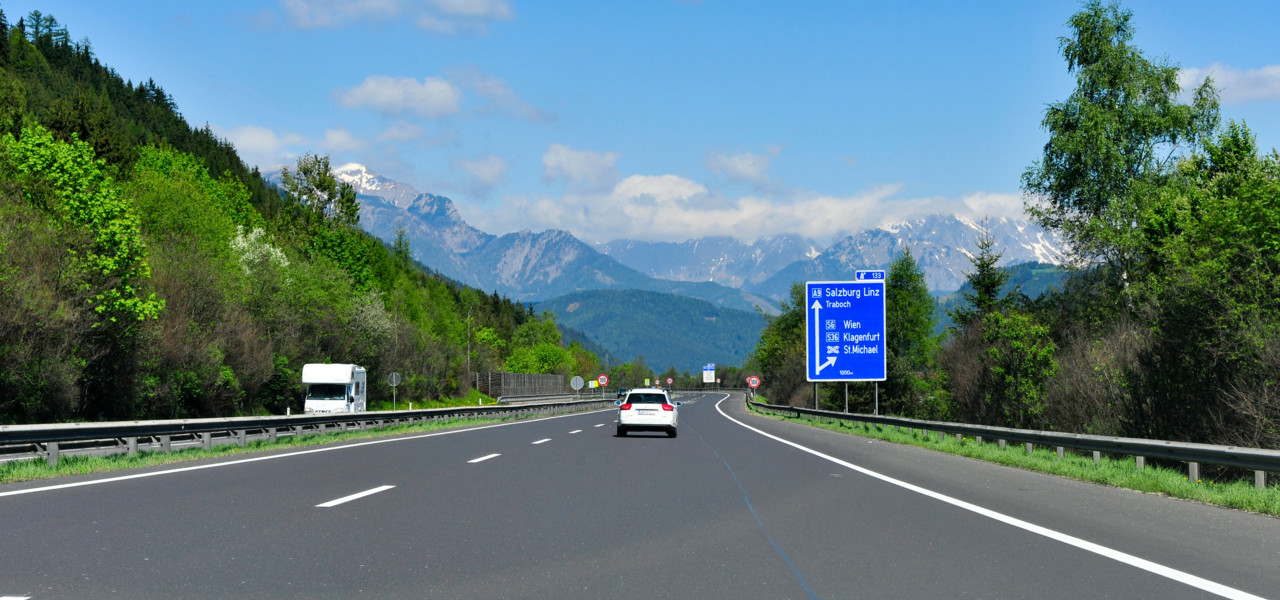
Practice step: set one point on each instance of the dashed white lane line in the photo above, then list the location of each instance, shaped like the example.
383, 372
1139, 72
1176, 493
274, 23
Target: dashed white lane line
254, 459
600, 425
483, 458
541, 441
346, 499
575, 431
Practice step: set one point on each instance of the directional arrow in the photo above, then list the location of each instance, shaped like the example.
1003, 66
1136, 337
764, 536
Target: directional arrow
817, 332
817, 341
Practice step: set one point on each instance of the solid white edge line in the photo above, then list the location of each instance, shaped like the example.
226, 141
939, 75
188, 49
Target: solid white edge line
15, 597
483, 458
1116, 555
63, 486
345, 499
542, 441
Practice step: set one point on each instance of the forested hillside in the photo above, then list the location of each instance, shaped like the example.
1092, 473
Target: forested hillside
667, 330
146, 272
1169, 327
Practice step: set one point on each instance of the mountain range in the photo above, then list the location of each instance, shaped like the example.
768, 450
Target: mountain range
553, 266
523, 265
725, 271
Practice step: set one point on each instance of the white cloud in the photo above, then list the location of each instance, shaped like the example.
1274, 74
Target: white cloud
500, 98
747, 167
674, 208
341, 140
401, 131
433, 97
1235, 85
263, 147
438, 16
583, 168
487, 172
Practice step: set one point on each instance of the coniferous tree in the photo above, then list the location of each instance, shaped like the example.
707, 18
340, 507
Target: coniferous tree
987, 281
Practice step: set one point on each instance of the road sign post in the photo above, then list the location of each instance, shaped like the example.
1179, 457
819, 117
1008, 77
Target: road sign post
845, 329
393, 380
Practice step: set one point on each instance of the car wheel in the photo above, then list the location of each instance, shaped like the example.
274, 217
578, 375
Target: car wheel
622, 432
671, 432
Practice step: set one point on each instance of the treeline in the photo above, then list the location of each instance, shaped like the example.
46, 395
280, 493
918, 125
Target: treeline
146, 272
1169, 325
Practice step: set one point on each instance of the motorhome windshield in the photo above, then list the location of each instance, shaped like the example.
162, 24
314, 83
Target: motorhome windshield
326, 391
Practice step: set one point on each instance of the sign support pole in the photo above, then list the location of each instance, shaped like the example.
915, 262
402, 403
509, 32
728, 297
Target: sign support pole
877, 412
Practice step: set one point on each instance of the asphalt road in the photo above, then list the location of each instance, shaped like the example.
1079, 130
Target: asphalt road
563, 509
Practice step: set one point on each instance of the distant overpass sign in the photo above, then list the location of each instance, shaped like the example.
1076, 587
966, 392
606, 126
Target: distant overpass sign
845, 328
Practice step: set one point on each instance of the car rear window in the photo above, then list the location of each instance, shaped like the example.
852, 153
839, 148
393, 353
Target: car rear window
647, 399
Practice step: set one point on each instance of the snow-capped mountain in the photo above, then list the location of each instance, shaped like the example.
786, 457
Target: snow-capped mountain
523, 265
941, 246
536, 266
721, 259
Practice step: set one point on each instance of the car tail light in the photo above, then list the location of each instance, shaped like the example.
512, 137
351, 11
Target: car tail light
668, 407
625, 407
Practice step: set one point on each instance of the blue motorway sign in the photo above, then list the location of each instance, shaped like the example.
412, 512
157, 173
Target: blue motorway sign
845, 329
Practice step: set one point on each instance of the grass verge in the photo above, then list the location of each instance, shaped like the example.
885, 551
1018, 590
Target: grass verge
27, 470
1117, 472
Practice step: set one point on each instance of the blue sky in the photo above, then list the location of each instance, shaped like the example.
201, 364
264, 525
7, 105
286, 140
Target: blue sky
659, 120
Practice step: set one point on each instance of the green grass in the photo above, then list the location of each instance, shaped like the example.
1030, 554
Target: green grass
27, 470
1118, 472
473, 398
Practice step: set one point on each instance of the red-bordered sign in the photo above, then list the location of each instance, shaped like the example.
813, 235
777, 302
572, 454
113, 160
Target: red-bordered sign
603, 380
753, 381
669, 380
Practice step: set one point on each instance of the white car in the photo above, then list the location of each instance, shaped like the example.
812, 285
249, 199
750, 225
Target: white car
647, 409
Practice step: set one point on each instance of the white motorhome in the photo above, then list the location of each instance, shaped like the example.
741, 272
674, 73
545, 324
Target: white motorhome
334, 388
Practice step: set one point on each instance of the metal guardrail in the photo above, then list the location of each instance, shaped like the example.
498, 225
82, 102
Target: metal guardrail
1258, 460
50, 441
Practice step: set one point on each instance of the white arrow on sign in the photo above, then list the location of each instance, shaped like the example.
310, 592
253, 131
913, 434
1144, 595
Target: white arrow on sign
817, 339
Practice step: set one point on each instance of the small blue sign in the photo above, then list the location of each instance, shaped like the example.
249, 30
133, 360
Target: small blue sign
845, 329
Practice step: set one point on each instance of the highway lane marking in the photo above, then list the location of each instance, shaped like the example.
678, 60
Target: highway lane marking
483, 458
356, 496
15, 597
1183, 577
575, 431
63, 486
542, 441
600, 425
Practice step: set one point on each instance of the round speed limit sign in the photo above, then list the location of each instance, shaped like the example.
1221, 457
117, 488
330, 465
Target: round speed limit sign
603, 380
753, 381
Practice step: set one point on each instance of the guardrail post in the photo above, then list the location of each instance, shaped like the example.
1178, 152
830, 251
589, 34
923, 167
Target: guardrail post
297, 430
1002, 443
978, 439
166, 444
131, 444
240, 437
207, 439
1260, 479
941, 436
1061, 452
51, 454
959, 437
1030, 447
1193, 472
1140, 461
271, 434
